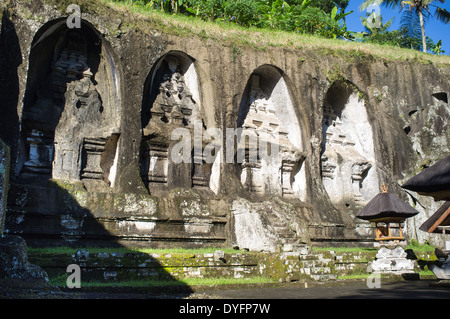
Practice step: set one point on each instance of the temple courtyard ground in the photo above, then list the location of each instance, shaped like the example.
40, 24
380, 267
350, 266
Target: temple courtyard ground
346, 289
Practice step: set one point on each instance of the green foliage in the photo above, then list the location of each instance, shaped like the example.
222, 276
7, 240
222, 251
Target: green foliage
243, 12
401, 38
373, 23
324, 18
414, 16
315, 21
207, 9
328, 5
437, 49
414, 245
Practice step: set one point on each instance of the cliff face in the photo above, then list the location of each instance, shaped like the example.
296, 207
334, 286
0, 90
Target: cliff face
96, 107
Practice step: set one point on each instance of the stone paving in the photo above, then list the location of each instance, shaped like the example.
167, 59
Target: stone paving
415, 289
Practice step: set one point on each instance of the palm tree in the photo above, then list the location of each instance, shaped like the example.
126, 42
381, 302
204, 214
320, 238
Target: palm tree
419, 7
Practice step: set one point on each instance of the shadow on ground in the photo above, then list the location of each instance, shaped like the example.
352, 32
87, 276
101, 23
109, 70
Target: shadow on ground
70, 225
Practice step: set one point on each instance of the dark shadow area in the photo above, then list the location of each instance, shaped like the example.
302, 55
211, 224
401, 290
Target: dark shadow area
335, 100
409, 289
10, 60
58, 57
441, 96
268, 76
48, 216
393, 290
70, 117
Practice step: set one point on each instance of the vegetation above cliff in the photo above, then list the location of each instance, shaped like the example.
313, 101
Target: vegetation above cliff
146, 19
262, 38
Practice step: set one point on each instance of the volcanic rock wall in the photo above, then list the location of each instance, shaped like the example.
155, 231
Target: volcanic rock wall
125, 134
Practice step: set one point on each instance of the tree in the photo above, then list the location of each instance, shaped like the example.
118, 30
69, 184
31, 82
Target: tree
438, 48
419, 7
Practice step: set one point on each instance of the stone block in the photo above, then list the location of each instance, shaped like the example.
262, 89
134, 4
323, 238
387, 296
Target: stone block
14, 260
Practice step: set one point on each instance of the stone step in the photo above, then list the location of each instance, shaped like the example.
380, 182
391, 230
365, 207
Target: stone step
325, 277
314, 272
120, 266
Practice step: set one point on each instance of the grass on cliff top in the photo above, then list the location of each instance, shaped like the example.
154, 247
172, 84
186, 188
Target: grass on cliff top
261, 39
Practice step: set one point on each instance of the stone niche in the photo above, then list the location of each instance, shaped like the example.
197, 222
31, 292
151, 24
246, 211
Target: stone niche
172, 116
348, 164
269, 157
71, 107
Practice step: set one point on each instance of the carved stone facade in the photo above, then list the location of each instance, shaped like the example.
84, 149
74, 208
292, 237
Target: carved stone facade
98, 106
173, 108
345, 162
69, 118
270, 159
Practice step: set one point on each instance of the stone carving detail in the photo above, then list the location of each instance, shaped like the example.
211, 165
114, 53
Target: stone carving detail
201, 171
83, 108
343, 166
70, 66
40, 152
93, 149
157, 160
174, 107
392, 259
83, 105
66, 114
174, 101
275, 154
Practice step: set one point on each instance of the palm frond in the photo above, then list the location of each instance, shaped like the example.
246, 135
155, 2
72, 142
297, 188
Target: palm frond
387, 25
442, 15
410, 21
392, 3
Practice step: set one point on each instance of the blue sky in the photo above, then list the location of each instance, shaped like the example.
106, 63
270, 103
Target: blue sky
435, 29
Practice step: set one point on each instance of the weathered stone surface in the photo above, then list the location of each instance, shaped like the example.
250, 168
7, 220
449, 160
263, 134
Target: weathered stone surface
14, 260
269, 226
88, 101
348, 159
